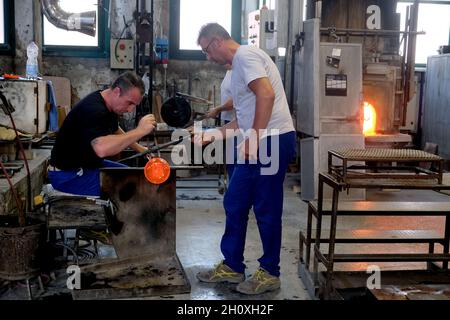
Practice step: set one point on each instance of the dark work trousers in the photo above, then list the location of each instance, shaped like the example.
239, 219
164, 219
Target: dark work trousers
250, 187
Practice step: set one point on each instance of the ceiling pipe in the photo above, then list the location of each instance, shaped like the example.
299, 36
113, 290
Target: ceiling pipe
84, 22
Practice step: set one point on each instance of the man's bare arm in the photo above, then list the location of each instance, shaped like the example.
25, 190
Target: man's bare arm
135, 146
112, 144
265, 98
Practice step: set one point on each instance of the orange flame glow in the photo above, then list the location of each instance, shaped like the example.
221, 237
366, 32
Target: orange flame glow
370, 120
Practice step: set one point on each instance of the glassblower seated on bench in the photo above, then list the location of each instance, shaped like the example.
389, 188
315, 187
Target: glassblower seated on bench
90, 133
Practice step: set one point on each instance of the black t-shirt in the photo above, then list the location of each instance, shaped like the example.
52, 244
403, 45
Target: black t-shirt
88, 120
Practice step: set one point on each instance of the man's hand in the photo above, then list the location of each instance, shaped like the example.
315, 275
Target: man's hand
147, 124
190, 129
207, 136
201, 138
248, 149
213, 112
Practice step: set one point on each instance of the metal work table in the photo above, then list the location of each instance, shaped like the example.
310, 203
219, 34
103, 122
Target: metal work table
344, 177
373, 157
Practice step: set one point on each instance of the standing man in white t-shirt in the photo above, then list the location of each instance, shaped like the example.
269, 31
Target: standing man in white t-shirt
264, 120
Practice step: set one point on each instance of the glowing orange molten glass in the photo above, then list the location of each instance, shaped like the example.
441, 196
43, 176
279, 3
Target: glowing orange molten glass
370, 120
157, 171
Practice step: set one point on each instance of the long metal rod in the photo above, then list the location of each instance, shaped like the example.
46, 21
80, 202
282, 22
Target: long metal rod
151, 60
137, 63
27, 167
8, 109
411, 57
428, 1
447, 240
405, 48
331, 244
366, 31
308, 238
318, 233
155, 148
195, 99
22, 219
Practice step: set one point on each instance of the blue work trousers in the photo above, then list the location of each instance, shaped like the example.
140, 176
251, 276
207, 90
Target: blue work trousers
84, 181
249, 188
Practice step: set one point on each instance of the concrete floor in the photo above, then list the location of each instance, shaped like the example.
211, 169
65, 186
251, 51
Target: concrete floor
200, 224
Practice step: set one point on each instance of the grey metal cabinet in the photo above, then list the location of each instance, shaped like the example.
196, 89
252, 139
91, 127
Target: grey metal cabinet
436, 114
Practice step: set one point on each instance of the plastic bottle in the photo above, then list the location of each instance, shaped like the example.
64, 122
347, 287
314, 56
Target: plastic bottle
32, 62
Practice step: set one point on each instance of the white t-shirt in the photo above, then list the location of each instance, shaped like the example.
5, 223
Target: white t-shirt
225, 94
251, 63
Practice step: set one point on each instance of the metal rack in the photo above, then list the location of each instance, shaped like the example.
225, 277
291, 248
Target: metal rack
342, 177
409, 173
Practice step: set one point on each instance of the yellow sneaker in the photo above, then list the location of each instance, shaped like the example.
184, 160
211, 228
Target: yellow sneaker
221, 273
260, 282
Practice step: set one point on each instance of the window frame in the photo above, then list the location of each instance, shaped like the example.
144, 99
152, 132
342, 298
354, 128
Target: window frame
440, 2
174, 45
100, 51
8, 48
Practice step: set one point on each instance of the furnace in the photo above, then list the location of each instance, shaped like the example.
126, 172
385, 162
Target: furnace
354, 83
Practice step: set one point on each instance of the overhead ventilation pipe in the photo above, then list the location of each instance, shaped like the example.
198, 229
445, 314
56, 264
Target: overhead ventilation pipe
84, 22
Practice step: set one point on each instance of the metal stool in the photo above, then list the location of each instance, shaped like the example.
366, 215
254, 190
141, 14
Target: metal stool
77, 213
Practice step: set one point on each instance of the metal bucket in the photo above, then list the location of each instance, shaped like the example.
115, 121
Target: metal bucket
20, 248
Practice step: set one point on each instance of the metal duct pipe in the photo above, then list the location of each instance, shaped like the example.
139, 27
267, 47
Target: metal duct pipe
84, 22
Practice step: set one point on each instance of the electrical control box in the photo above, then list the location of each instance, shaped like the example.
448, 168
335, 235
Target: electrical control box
261, 31
122, 54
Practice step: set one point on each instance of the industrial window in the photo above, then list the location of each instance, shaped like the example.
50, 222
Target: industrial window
62, 42
189, 16
6, 26
434, 19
